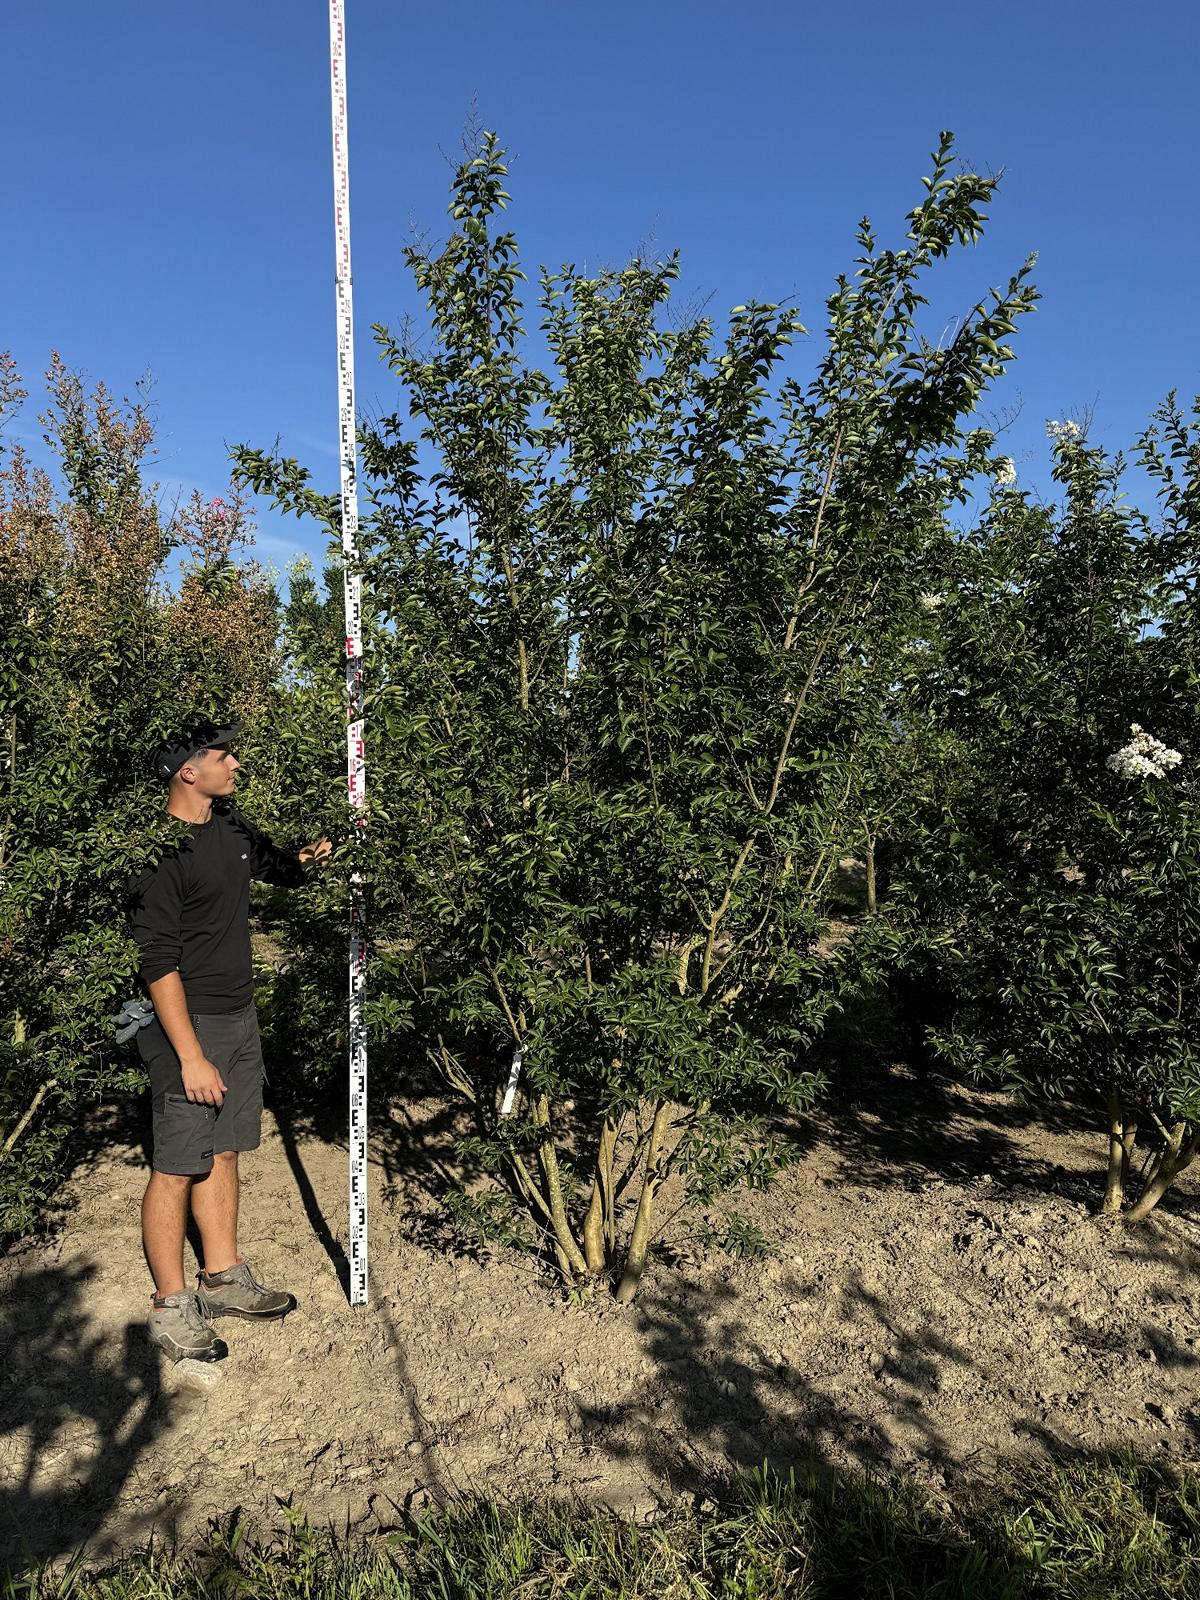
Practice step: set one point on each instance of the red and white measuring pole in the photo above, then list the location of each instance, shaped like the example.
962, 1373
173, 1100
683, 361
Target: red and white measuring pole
356, 766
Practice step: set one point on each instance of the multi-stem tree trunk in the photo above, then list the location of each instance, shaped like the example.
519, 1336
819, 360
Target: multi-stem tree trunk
639, 1240
1180, 1144
599, 1222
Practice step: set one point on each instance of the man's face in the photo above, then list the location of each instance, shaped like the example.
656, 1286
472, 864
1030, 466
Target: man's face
214, 773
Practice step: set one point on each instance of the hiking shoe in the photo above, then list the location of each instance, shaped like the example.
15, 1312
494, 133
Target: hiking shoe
178, 1325
236, 1292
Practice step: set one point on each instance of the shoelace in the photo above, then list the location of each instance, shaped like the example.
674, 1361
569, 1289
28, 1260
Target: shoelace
192, 1311
196, 1316
244, 1273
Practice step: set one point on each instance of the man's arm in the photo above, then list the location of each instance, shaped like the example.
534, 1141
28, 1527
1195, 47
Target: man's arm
202, 1082
155, 910
287, 869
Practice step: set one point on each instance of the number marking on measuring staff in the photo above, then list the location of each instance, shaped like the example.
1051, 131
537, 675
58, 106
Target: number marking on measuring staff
356, 762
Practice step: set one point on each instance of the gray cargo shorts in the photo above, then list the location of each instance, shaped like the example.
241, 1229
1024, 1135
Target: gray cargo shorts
186, 1135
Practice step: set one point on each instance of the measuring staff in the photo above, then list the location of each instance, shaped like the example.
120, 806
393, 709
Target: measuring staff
356, 761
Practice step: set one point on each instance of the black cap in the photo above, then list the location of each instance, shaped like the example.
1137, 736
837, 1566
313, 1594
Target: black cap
178, 748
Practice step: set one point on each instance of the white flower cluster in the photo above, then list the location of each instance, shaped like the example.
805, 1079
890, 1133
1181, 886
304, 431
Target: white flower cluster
1006, 472
930, 602
1143, 757
1063, 432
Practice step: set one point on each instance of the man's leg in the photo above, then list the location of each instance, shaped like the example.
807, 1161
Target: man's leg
183, 1154
177, 1324
215, 1208
229, 1286
164, 1223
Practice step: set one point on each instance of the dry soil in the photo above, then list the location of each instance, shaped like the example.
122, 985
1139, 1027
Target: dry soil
944, 1299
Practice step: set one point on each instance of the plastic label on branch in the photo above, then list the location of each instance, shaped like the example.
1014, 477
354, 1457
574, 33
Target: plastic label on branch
356, 764
514, 1075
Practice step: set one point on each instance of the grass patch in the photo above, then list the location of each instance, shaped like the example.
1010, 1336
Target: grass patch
1103, 1529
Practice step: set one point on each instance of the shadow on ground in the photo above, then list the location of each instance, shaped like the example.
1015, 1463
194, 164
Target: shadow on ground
65, 1387
737, 1402
80, 1410
69, 1392
293, 1125
732, 1402
895, 1126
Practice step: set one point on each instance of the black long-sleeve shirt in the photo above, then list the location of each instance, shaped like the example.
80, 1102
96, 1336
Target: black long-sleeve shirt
191, 913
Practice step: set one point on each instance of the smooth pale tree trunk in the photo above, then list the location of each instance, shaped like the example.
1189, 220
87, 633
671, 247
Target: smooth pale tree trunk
872, 898
1178, 1152
639, 1241
597, 1224
570, 1257
1122, 1134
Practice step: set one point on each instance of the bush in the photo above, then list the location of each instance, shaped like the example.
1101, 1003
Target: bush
635, 625
1056, 867
99, 655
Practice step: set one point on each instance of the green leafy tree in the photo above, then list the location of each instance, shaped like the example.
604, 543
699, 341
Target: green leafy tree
99, 654
635, 618
1058, 877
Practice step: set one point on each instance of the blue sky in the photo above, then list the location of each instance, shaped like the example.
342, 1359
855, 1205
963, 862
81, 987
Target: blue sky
168, 184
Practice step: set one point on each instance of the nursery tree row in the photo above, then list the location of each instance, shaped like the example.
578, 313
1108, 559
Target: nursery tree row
665, 620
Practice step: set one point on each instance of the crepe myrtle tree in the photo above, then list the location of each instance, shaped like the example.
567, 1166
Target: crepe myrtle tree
99, 654
1061, 876
1088, 987
635, 619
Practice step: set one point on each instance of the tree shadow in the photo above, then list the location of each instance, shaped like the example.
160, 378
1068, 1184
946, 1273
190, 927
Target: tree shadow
1170, 1235
722, 1393
894, 1126
68, 1392
721, 1405
732, 1401
413, 1139
422, 1161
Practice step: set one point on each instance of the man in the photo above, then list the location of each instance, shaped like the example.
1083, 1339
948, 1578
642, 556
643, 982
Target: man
190, 918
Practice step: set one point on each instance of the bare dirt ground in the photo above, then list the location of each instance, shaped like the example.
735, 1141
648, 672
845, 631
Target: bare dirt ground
943, 1300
